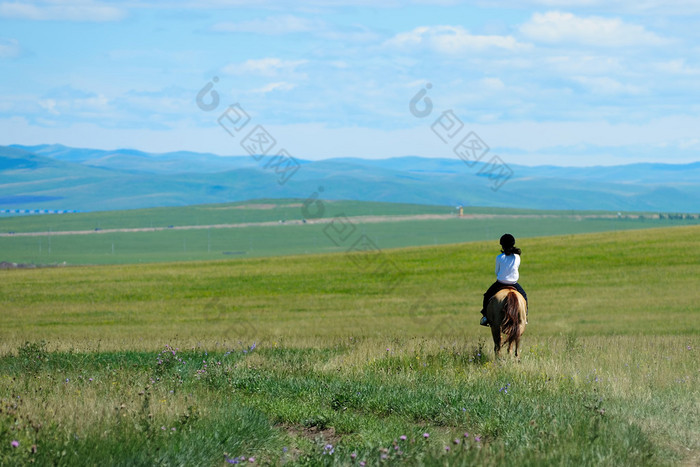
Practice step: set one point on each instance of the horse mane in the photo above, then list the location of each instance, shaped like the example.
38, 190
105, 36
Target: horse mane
511, 318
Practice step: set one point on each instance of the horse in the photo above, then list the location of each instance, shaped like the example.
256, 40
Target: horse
507, 314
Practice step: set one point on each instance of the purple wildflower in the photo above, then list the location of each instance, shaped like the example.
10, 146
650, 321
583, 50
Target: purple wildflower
426, 435
403, 438
14, 443
477, 439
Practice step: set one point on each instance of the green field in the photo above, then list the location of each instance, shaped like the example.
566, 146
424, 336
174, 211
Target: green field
345, 358
259, 210
274, 227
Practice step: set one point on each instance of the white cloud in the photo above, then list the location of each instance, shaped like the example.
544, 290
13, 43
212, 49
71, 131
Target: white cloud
354, 33
583, 64
59, 10
289, 24
644, 7
264, 67
87, 106
10, 48
160, 106
557, 27
677, 67
277, 86
494, 84
689, 143
569, 3
272, 25
453, 40
608, 86
50, 106
310, 4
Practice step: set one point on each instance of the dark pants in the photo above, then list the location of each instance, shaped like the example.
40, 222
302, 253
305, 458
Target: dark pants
499, 286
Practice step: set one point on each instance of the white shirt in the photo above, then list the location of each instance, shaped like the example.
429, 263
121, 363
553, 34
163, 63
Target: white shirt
507, 268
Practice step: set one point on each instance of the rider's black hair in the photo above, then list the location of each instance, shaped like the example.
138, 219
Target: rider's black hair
508, 245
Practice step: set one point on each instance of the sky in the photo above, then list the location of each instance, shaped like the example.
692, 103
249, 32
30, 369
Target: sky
536, 82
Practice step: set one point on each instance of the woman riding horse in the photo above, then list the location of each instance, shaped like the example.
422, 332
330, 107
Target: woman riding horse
507, 275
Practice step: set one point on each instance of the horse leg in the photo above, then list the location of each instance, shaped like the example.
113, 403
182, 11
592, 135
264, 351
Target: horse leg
496, 333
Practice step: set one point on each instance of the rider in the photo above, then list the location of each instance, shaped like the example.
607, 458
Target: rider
507, 275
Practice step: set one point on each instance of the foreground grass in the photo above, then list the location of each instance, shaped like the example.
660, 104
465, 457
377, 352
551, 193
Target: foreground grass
331, 360
569, 401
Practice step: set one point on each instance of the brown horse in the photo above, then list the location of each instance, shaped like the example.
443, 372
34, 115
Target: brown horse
506, 312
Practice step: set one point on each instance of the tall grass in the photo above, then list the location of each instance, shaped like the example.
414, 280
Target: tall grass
568, 401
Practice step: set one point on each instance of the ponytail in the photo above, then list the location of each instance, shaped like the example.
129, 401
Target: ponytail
511, 250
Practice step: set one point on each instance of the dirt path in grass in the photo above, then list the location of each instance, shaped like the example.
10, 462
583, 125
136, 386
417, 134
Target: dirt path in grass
326, 220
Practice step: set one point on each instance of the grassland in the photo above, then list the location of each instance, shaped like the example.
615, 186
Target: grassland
259, 210
350, 357
275, 227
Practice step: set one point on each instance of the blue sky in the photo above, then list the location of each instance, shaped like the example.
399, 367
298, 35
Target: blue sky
580, 82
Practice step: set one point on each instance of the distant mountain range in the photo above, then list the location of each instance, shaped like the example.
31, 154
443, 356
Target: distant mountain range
62, 178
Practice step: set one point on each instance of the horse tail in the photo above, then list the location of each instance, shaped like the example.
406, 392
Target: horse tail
511, 319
